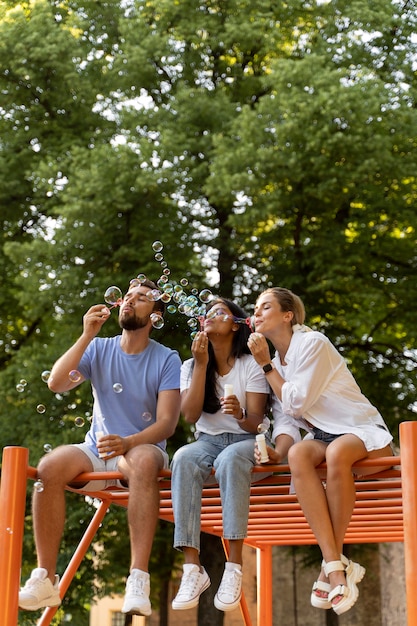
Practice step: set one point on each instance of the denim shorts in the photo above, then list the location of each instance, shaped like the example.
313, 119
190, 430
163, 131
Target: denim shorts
321, 435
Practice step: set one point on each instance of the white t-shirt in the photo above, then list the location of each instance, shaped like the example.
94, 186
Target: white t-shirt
246, 375
320, 389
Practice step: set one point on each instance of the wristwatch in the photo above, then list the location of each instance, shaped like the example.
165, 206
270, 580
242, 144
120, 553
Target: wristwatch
268, 368
244, 415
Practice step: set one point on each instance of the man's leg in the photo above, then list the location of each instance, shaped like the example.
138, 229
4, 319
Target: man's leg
141, 466
55, 471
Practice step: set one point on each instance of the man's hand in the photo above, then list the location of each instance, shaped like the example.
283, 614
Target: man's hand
94, 319
110, 446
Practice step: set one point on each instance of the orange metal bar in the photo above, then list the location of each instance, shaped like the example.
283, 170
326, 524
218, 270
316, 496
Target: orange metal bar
275, 518
264, 584
12, 518
408, 441
243, 604
77, 557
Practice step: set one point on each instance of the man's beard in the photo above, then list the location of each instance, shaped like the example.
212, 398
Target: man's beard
132, 322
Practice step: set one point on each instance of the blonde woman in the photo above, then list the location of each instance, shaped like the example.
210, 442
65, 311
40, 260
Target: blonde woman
313, 386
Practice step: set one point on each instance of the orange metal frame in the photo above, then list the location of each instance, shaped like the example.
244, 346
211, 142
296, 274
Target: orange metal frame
385, 511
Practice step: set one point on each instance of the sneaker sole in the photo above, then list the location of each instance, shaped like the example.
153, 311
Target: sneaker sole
135, 610
226, 607
182, 606
41, 605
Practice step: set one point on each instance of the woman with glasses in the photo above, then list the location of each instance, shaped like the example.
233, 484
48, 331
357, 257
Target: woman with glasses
224, 394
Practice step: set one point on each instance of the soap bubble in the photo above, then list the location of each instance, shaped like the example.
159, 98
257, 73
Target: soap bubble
47, 447
171, 309
263, 427
41, 408
79, 421
166, 297
159, 256
153, 295
157, 320
45, 375
141, 278
38, 486
162, 282
184, 282
146, 416
23, 382
20, 387
205, 295
157, 246
74, 376
113, 296
117, 388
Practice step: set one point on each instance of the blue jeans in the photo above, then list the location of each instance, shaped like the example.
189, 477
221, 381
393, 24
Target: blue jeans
232, 457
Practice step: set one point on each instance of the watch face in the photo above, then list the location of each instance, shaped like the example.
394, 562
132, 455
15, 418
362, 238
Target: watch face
267, 368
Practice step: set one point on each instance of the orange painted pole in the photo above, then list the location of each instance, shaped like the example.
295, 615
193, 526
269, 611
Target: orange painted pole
12, 519
76, 559
243, 604
264, 580
408, 445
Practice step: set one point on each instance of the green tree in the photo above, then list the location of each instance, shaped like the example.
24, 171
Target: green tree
262, 144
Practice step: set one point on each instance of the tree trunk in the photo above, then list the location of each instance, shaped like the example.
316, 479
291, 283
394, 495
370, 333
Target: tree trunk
213, 558
163, 603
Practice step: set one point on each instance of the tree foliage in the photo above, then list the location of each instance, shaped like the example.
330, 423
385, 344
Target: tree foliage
262, 144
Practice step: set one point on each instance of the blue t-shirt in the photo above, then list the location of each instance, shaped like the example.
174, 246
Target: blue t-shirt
125, 387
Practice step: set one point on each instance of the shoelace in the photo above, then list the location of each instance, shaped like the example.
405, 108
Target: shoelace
229, 584
33, 583
136, 586
189, 582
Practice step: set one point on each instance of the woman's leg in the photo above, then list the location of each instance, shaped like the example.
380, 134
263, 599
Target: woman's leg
191, 467
233, 468
328, 511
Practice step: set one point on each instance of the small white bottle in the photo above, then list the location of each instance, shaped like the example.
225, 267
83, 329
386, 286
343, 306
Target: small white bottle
261, 441
228, 390
99, 435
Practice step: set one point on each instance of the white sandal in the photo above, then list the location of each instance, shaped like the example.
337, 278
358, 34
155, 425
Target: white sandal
350, 592
321, 602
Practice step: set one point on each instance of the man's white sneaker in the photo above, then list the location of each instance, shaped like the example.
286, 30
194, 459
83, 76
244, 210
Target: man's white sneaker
39, 592
193, 583
229, 593
137, 594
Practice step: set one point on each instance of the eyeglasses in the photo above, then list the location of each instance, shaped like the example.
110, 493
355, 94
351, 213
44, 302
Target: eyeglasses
211, 315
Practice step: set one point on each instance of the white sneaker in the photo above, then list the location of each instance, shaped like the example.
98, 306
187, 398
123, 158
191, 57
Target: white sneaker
137, 593
193, 583
229, 593
39, 592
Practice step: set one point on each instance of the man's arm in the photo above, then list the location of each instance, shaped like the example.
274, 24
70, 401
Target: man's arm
167, 416
59, 380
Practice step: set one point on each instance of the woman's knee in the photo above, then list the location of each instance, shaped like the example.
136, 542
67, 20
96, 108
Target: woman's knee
185, 457
304, 456
343, 452
297, 454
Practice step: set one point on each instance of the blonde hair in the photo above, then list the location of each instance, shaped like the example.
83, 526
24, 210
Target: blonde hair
289, 302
